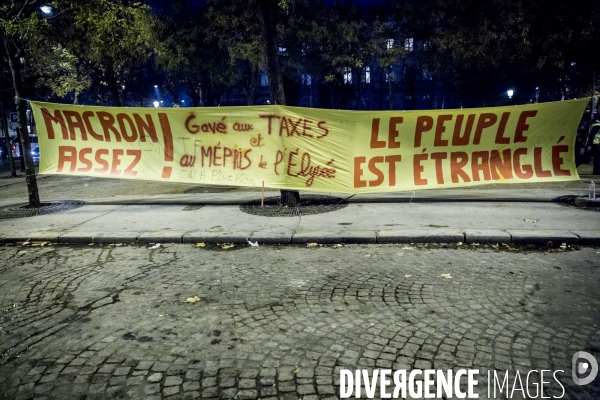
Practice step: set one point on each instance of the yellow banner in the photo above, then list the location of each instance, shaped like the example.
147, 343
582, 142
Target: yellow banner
312, 149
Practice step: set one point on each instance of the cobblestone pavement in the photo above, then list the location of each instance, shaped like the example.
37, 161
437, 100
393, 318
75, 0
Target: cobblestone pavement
109, 322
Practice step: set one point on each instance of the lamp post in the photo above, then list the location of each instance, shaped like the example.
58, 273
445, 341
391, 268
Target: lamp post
156, 103
510, 93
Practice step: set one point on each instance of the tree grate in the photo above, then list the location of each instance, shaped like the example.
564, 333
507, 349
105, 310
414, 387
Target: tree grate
24, 210
309, 205
570, 201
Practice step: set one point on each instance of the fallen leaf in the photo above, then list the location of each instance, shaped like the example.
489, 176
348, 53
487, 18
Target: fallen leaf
156, 246
367, 255
22, 252
459, 244
297, 370
118, 244
407, 276
255, 244
90, 244
201, 244
311, 244
226, 246
407, 248
445, 276
194, 299
533, 221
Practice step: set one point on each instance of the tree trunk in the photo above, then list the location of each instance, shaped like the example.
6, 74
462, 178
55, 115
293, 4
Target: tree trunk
201, 92
268, 26
201, 96
11, 160
252, 83
76, 99
314, 94
112, 83
381, 88
194, 93
358, 88
15, 69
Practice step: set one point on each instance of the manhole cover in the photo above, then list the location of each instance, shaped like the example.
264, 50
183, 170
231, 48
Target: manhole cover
23, 210
309, 204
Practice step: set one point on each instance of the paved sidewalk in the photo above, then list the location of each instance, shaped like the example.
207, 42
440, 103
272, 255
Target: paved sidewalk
519, 216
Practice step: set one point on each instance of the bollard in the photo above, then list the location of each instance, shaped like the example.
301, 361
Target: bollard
592, 194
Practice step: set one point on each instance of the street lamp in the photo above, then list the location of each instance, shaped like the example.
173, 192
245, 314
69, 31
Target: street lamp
510, 93
46, 9
156, 103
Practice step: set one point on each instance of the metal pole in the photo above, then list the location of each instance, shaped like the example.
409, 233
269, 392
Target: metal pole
262, 199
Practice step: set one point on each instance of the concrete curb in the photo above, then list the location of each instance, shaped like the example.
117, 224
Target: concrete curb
588, 237
78, 237
216, 237
557, 237
123, 237
540, 237
487, 236
161, 237
348, 237
421, 236
272, 237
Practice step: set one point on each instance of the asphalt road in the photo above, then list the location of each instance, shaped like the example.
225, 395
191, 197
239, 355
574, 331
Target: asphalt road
280, 322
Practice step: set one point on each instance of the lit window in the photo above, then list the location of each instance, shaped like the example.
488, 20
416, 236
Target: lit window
409, 44
390, 44
347, 75
264, 79
282, 50
367, 75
